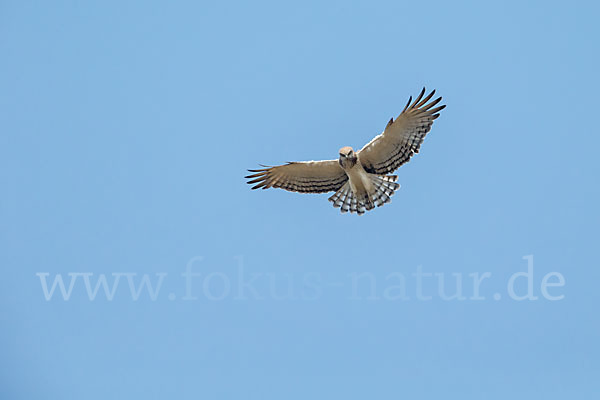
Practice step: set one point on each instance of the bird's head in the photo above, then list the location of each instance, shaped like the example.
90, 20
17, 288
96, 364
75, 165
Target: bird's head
347, 157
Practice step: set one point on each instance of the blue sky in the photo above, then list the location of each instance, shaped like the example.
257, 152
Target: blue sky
127, 128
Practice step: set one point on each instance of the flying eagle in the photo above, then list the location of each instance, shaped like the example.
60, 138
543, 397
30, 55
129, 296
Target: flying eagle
360, 179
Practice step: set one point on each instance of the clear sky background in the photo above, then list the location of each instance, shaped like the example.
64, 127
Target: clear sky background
127, 129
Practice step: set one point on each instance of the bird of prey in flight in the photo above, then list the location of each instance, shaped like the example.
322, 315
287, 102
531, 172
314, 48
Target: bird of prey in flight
359, 179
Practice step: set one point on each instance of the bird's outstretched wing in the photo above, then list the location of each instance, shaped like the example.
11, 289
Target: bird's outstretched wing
401, 138
303, 177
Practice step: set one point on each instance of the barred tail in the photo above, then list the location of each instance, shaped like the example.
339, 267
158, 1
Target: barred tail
384, 188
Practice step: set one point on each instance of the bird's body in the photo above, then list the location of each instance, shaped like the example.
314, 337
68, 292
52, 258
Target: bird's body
359, 179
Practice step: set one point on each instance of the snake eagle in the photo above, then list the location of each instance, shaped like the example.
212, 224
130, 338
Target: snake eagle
359, 179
